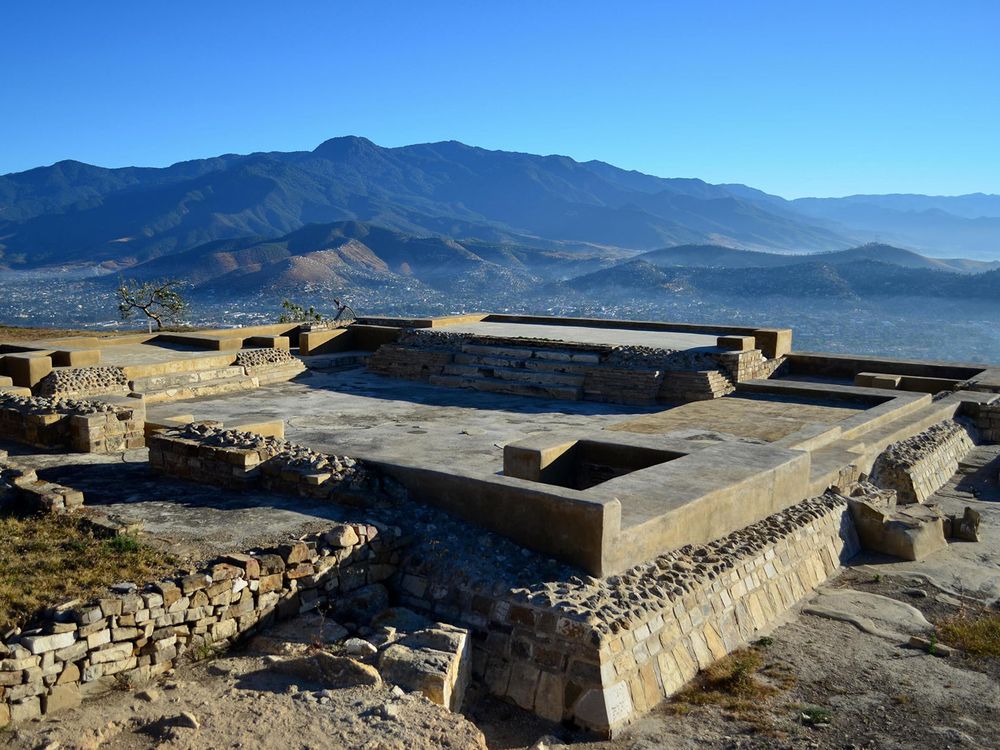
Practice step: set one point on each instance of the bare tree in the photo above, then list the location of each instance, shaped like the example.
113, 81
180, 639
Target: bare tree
157, 300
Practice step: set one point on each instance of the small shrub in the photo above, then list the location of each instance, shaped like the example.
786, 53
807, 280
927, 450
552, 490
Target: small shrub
123, 544
815, 715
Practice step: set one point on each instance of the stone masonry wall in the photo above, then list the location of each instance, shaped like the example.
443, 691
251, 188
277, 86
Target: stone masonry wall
81, 426
239, 460
22, 490
600, 652
921, 465
986, 417
132, 634
624, 374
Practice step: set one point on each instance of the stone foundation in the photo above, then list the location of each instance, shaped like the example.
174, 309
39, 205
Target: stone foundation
601, 652
986, 417
132, 635
22, 489
919, 466
558, 369
241, 460
80, 426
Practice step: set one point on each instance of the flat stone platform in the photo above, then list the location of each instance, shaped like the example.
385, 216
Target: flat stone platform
585, 335
361, 414
124, 355
767, 417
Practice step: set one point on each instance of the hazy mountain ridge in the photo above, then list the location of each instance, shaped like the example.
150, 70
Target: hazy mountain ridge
72, 212
75, 213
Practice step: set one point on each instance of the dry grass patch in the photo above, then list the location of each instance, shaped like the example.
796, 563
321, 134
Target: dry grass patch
730, 681
46, 559
976, 633
740, 685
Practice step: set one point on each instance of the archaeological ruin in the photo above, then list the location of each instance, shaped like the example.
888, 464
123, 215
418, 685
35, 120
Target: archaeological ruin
574, 514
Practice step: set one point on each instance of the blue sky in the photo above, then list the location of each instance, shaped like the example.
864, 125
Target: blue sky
797, 98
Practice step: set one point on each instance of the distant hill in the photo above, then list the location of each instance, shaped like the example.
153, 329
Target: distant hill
967, 225
807, 277
351, 255
727, 257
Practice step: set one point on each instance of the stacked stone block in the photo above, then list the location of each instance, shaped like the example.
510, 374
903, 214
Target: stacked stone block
407, 363
919, 466
270, 365
682, 387
241, 460
21, 488
749, 365
81, 426
986, 417
600, 652
131, 635
80, 382
617, 374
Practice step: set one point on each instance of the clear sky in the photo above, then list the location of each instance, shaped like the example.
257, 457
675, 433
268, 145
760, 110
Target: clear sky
812, 97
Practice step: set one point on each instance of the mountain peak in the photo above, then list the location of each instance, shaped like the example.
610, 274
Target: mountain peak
345, 146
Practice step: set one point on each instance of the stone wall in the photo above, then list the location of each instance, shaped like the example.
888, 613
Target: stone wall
986, 417
614, 374
681, 387
401, 361
600, 652
919, 466
131, 635
78, 382
81, 426
241, 460
749, 365
22, 490
269, 365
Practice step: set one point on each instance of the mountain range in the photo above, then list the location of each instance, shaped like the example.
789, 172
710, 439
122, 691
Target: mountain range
544, 208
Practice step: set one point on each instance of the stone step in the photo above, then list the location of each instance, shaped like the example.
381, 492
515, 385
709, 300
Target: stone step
496, 385
533, 352
215, 387
182, 379
6, 380
516, 374
337, 361
15, 390
542, 365
279, 374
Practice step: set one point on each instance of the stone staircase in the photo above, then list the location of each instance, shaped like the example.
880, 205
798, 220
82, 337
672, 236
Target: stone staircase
523, 371
177, 386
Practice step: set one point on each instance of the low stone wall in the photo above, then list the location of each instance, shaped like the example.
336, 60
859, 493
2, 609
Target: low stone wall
919, 466
600, 652
986, 417
749, 365
132, 635
269, 365
682, 387
240, 460
78, 382
80, 426
21, 489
